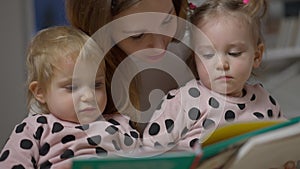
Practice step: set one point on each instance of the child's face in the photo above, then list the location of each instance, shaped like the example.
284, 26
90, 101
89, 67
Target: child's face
225, 60
81, 101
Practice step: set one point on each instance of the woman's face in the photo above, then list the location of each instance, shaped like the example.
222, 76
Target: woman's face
143, 30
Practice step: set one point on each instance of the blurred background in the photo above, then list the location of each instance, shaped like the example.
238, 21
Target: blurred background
21, 19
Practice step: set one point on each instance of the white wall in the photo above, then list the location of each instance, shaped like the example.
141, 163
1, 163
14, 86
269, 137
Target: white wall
14, 33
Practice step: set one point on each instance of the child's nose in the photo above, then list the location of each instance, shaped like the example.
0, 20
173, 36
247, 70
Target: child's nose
222, 63
88, 95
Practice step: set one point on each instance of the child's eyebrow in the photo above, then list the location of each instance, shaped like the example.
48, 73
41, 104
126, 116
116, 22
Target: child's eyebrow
237, 43
205, 46
65, 80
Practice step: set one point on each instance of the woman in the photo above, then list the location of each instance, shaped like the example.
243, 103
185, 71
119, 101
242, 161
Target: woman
92, 15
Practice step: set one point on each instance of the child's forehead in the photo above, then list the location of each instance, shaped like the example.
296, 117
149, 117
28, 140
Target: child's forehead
85, 59
64, 61
232, 21
78, 69
224, 17
83, 64
231, 28
76, 56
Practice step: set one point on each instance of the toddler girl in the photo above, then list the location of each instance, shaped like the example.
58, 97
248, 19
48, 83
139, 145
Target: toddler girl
66, 94
227, 45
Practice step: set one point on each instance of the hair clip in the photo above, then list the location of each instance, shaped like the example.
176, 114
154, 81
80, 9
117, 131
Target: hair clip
245, 1
192, 6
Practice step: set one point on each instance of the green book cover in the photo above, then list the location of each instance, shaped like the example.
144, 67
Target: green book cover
170, 160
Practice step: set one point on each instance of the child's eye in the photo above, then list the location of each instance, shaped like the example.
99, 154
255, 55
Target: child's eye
71, 88
137, 36
234, 54
208, 56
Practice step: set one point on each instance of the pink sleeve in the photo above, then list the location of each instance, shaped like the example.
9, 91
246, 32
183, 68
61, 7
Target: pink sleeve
21, 148
117, 136
170, 124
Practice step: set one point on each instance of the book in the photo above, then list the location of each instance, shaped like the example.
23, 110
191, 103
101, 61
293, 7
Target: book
270, 150
257, 144
235, 129
265, 144
169, 160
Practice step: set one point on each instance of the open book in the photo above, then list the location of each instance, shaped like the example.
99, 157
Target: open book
263, 145
259, 145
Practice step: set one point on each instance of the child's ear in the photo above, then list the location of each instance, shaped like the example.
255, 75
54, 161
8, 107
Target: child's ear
37, 91
258, 55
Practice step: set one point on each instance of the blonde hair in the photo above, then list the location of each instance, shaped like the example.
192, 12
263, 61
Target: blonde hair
253, 12
46, 50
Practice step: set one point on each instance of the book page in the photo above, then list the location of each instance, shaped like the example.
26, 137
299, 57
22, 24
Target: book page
271, 150
219, 160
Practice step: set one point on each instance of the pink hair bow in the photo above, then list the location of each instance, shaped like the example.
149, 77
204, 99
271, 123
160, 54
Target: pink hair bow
192, 6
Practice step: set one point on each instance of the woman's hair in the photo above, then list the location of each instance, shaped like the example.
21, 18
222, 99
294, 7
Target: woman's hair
252, 12
45, 52
91, 15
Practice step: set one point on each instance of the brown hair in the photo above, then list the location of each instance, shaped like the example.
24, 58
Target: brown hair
253, 12
91, 15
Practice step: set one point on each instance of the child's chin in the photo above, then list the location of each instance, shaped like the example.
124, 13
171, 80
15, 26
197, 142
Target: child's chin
86, 120
220, 91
